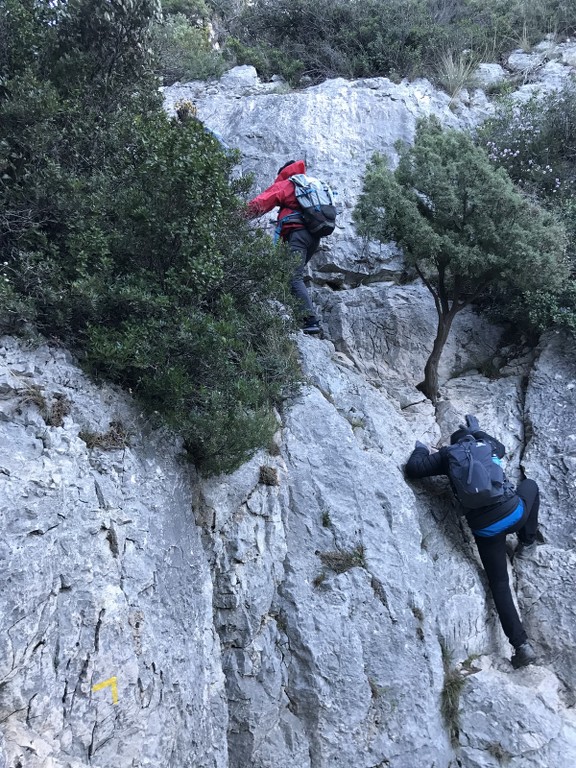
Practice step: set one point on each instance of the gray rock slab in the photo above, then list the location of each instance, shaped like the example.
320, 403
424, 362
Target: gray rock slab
104, 579
489, 74
519, 720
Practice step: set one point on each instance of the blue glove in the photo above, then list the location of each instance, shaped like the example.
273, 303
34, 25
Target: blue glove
421, 445
472, 423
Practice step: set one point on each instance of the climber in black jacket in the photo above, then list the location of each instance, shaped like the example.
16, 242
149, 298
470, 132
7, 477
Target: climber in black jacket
516, 511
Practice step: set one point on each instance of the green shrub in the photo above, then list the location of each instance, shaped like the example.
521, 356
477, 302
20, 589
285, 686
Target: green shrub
183, 51
123, 235
268, 61
167, 290
349, 38
329, 38
16, 311
535, 143
194, 10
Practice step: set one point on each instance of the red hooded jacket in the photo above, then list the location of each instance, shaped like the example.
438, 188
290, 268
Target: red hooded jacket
280, 194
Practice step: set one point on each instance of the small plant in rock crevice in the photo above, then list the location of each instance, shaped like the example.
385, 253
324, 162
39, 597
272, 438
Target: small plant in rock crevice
59, 408
417, 613
341, 561
455, 72
450, 695
268, 476
115, 438
499, 752
33, 395
280, 620
419, 616
52, 411
375, 689
319, 579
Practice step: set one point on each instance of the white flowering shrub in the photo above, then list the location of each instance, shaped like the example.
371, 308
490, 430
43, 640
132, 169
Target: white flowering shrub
536, 143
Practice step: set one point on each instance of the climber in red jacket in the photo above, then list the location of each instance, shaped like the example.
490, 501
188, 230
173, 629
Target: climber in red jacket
292, 230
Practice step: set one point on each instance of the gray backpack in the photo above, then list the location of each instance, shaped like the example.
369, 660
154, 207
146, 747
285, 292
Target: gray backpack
477, 480
316, 201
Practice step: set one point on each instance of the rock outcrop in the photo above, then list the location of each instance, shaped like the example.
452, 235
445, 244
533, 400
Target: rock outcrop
104, 579
313, 609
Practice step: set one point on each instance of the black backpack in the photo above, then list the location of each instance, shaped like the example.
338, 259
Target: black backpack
316, 201
477, 480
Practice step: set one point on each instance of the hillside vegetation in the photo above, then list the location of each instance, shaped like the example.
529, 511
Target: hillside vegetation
122, 235
348, 38
467, 231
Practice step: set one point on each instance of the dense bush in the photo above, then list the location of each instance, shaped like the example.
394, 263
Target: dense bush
535, 142
328, 38
359, 38
122, 234
183, 49
195, 10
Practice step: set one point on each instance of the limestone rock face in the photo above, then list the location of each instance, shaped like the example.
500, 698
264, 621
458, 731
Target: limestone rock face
489, 74
103, 576
548, 732
547, 67
335, 127
382, 600
313, 609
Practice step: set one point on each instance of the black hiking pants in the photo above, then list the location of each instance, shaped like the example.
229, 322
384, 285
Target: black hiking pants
492, 551
304, 245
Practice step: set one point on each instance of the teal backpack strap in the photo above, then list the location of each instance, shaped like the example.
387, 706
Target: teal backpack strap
281, 221
277, 231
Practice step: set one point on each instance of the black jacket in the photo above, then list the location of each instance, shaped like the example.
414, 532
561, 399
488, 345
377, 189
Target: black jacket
422, 463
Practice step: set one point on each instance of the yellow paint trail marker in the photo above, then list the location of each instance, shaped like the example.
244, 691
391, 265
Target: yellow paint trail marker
110, 682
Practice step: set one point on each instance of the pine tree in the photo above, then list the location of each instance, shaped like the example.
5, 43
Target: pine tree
462, 225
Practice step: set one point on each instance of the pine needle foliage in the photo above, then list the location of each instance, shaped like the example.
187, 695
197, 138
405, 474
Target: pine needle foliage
462, 225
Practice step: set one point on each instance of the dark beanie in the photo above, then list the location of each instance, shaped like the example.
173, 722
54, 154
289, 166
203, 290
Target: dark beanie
459, 434
286, 165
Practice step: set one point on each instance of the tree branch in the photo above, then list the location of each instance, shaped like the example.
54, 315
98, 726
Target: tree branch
430, 287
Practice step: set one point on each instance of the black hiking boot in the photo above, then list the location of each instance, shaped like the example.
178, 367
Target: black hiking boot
312, 327
524, 550
523, 656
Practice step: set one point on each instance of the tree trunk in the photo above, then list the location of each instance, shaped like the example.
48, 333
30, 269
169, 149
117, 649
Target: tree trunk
430, 384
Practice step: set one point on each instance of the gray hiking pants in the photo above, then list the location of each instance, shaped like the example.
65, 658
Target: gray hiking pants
302, 243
